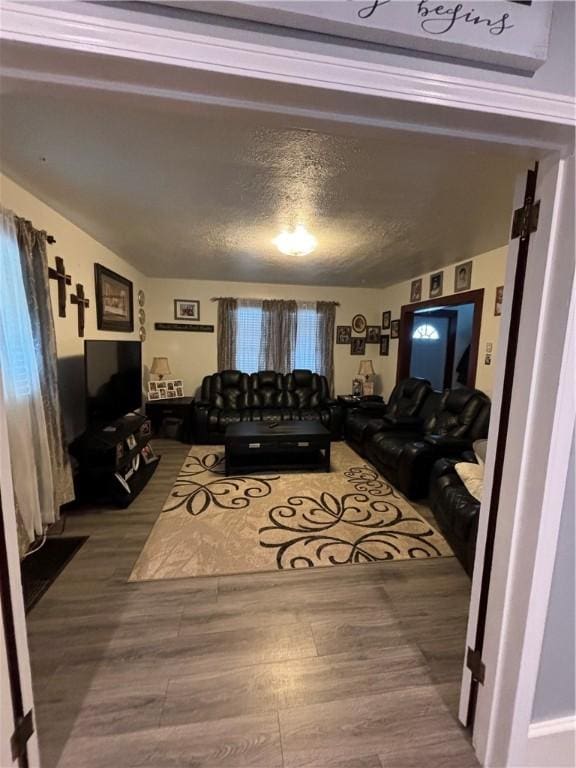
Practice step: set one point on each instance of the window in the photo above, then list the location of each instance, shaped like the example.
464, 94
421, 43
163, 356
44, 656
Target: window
426, 332
250, 356
305, 353
248, 334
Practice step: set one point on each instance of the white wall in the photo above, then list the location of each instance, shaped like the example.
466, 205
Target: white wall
193, 355
488, 272
80, 252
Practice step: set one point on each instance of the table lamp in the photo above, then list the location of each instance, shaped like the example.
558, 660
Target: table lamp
160, 367
366, 371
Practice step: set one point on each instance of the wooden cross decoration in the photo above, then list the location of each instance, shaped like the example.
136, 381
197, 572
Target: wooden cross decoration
63, 280
83, 304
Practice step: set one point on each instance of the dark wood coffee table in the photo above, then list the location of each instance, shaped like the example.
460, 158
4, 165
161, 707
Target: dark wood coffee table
276, 446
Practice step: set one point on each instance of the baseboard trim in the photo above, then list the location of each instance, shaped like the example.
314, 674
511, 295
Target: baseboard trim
552, 743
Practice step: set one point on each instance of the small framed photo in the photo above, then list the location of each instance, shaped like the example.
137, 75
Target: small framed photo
170, 394
186, 309
343, 334
148, 454
436, 284
179, 391
146, 428
462, 277
395, 329
385, 345
152, 386
357, 387
373, 334
498, 300
153, 395
416, 291
131, 442
386, 318
357, 346
178, 383
162, 386
170, 385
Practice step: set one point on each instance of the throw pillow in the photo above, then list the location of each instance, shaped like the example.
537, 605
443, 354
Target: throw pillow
479, 448
472, 475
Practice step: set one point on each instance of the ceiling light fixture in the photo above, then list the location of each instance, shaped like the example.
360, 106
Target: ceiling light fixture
298, 242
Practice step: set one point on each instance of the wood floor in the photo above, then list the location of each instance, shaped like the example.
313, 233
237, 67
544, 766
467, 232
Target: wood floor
350, 667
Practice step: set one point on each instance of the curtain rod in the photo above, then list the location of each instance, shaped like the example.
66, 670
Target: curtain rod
244, 298
50, 239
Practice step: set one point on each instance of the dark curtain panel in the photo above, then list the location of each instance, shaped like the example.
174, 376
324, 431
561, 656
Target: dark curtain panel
33, 258
227, 333
278, 337
325, 340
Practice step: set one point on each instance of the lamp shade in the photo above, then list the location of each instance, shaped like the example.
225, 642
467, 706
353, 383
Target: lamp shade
160, 366
366, 368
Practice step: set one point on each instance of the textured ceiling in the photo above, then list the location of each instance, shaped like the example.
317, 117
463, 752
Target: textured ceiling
193, 191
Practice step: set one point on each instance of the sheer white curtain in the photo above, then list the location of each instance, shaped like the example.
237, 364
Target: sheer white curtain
27, 430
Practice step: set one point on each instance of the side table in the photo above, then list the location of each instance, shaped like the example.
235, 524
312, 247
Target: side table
176, 408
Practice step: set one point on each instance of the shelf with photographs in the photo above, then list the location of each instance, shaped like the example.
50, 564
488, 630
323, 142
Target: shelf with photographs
165, 389
116, 461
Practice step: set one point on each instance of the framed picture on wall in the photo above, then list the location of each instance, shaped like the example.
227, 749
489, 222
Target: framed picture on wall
498, 300
395, 329
386, 318
357, 346
359, 323
436, 284
385, 345
186, 309
373, 334
343, 334
114, 301
462, 277
416, 291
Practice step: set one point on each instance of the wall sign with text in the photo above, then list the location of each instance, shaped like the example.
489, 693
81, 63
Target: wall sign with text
505, 33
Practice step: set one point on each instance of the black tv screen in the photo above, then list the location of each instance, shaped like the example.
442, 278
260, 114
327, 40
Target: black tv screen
113, 371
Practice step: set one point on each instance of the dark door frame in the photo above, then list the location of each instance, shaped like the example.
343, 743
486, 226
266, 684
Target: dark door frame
407, 324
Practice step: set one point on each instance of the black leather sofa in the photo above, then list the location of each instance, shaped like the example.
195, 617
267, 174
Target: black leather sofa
449, 424
229, 397
456, 511
402, 409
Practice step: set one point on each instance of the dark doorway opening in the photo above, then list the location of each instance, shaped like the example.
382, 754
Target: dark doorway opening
439, 340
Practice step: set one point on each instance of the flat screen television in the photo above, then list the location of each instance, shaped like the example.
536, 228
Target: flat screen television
113, 375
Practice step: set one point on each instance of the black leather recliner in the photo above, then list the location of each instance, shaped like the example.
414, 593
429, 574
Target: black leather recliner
456, 511
401, 411
406, 458
229, 397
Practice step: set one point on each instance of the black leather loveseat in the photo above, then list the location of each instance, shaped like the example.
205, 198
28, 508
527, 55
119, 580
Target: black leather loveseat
456, 511
448, 426
230, 397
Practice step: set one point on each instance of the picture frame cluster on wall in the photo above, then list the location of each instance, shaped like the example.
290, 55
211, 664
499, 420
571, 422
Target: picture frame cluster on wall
357, 344
165, 389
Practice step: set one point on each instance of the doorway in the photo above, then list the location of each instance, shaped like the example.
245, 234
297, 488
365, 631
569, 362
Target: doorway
439, 340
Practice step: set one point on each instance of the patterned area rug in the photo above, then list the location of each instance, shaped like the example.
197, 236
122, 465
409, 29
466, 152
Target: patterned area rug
212, 524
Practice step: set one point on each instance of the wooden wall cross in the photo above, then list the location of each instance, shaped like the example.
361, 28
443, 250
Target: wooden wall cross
63, 280
83, 303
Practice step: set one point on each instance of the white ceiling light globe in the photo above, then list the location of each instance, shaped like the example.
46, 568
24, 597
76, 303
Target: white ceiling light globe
298, 242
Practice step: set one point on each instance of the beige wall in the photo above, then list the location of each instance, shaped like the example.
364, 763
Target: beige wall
193, 355
80, 252
488, 272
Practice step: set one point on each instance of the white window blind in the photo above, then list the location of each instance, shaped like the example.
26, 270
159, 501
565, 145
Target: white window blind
248, 337
306, 351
